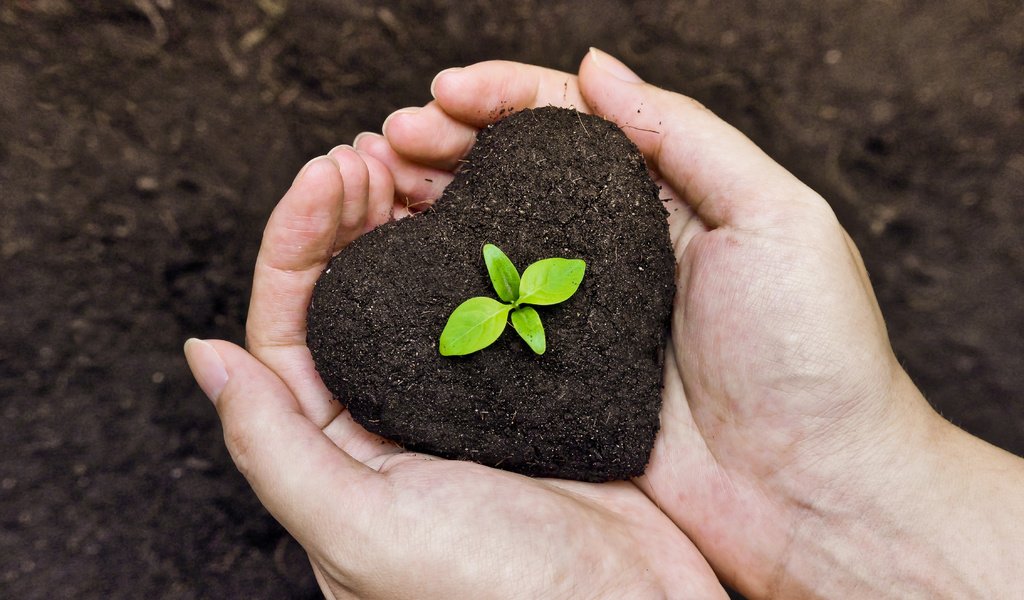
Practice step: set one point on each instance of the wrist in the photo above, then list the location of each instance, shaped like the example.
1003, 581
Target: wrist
911, 515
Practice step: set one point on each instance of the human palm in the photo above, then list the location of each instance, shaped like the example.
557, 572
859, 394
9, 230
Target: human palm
779, 376
378, 522
450, 529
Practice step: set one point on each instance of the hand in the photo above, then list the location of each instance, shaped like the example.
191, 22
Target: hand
381, 523
794, 449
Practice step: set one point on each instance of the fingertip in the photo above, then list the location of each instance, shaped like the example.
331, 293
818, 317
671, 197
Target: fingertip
611, 66
443, 79
367, 140
376, 169
375, 146
207, 367
397, 116
351, 167
469, 93
243, 374
429, 136
339, 150
314, 190
415, 184
720, 173
315, 168
355, 177
294, 238
294, 468
403, 124
484, 92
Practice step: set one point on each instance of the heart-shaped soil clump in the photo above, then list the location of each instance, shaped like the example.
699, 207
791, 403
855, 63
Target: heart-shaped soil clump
538, 184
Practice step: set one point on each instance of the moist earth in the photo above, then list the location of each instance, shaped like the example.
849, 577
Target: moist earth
538, 184
143, 145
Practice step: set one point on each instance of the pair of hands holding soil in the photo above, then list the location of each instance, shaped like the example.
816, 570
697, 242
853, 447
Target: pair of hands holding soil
795, 458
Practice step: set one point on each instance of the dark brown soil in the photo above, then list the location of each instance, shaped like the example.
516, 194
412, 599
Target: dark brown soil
143, 144
541, 183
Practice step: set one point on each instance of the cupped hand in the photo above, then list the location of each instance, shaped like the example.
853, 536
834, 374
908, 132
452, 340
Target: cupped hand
783, 402
381, 523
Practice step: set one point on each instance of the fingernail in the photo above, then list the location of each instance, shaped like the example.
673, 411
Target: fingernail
207, 367
613, 66
402, 111
433, 84
305, 168
302, 171
340, 148
361, 136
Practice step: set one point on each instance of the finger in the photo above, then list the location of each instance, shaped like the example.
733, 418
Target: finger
683, 222
355, 195
367, 201
429, 136
355, 441
416, 186
382, 192
297, 243
299, 474
724, 176
482, 93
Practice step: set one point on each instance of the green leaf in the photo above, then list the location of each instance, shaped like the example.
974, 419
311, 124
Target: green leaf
551, 281
473, 325
527, 323
504, 275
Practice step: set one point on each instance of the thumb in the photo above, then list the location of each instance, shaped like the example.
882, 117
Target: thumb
724, 176
297, 472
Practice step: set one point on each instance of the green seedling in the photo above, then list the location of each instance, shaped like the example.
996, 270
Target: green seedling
478, 322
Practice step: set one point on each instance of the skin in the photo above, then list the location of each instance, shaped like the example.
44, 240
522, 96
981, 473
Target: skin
381, 523
795, 452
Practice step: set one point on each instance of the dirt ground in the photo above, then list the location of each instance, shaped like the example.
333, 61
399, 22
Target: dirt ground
144, 142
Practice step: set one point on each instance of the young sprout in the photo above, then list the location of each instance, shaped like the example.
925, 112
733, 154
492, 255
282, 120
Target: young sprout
478, 322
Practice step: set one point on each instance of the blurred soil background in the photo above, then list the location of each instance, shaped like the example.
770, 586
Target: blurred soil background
143, 144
